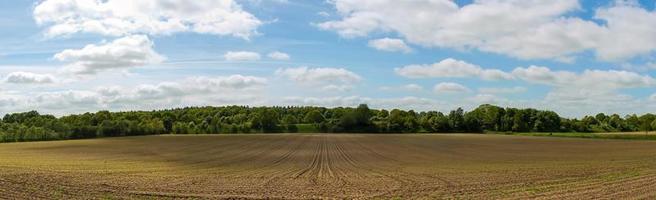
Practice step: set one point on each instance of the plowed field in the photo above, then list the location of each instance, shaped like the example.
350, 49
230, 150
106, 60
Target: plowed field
329, 166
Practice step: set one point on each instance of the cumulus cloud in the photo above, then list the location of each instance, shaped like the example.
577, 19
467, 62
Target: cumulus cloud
408, 87
644, 67
189, 87
192, 91
153, 17
408, 103
510, 90
337, 88
588, 90
630, 31
413, 87
67, 98
323, 14
330, 79
29, 78
545, 30
450, 87
486, 99
451, 68
7, 103
258, 2
277, 55
543, 75
241, 56
573, 94
590, 79
122, 53
390, 44
580, 102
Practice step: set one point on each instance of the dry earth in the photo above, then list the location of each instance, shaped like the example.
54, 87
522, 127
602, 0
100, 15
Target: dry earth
329, 166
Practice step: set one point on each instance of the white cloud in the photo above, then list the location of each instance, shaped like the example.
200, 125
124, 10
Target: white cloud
328, 79
407, 103
337, 88
590, 90
7, 102
389, 44
192, 91
189, 87
543, 75
241, 56
450, 87
408, 87
413, 87
233, 82
630, 31
615, 79
486, 99
277, 55
452, 68
495, 74
644, 67
652, 97
155, 17
510, 90
29, 78
62, 99
323, 14
319, 75
589, 79
258, 2
126, 52
545, 30
584, 101
651, 65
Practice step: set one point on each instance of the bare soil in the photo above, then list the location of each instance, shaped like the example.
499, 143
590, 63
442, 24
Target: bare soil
329, 166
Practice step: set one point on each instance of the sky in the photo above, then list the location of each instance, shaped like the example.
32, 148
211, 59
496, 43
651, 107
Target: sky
575, 57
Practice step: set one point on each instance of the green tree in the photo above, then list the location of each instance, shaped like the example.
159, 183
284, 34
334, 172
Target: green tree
632, 122
290, 123
490, 116
546, 121
168, 124
457, 120
472, 122
266, 120
411, 123
363, 115
313, 117
520, 121
395, 121
440, 123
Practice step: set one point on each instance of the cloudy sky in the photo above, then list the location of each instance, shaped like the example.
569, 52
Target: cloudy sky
574, 57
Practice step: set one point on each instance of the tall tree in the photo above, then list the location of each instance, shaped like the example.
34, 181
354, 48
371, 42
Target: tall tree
457, 120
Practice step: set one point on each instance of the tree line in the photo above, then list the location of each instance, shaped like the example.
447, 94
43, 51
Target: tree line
32, 126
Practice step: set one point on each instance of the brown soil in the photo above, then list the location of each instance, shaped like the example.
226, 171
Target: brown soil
328, 166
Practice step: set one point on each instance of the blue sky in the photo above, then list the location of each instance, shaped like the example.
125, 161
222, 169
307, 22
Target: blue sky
574, 57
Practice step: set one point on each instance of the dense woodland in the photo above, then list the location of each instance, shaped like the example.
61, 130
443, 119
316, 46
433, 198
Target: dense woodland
32, 126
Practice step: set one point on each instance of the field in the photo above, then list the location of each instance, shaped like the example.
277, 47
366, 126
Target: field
613, 135
304, 166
